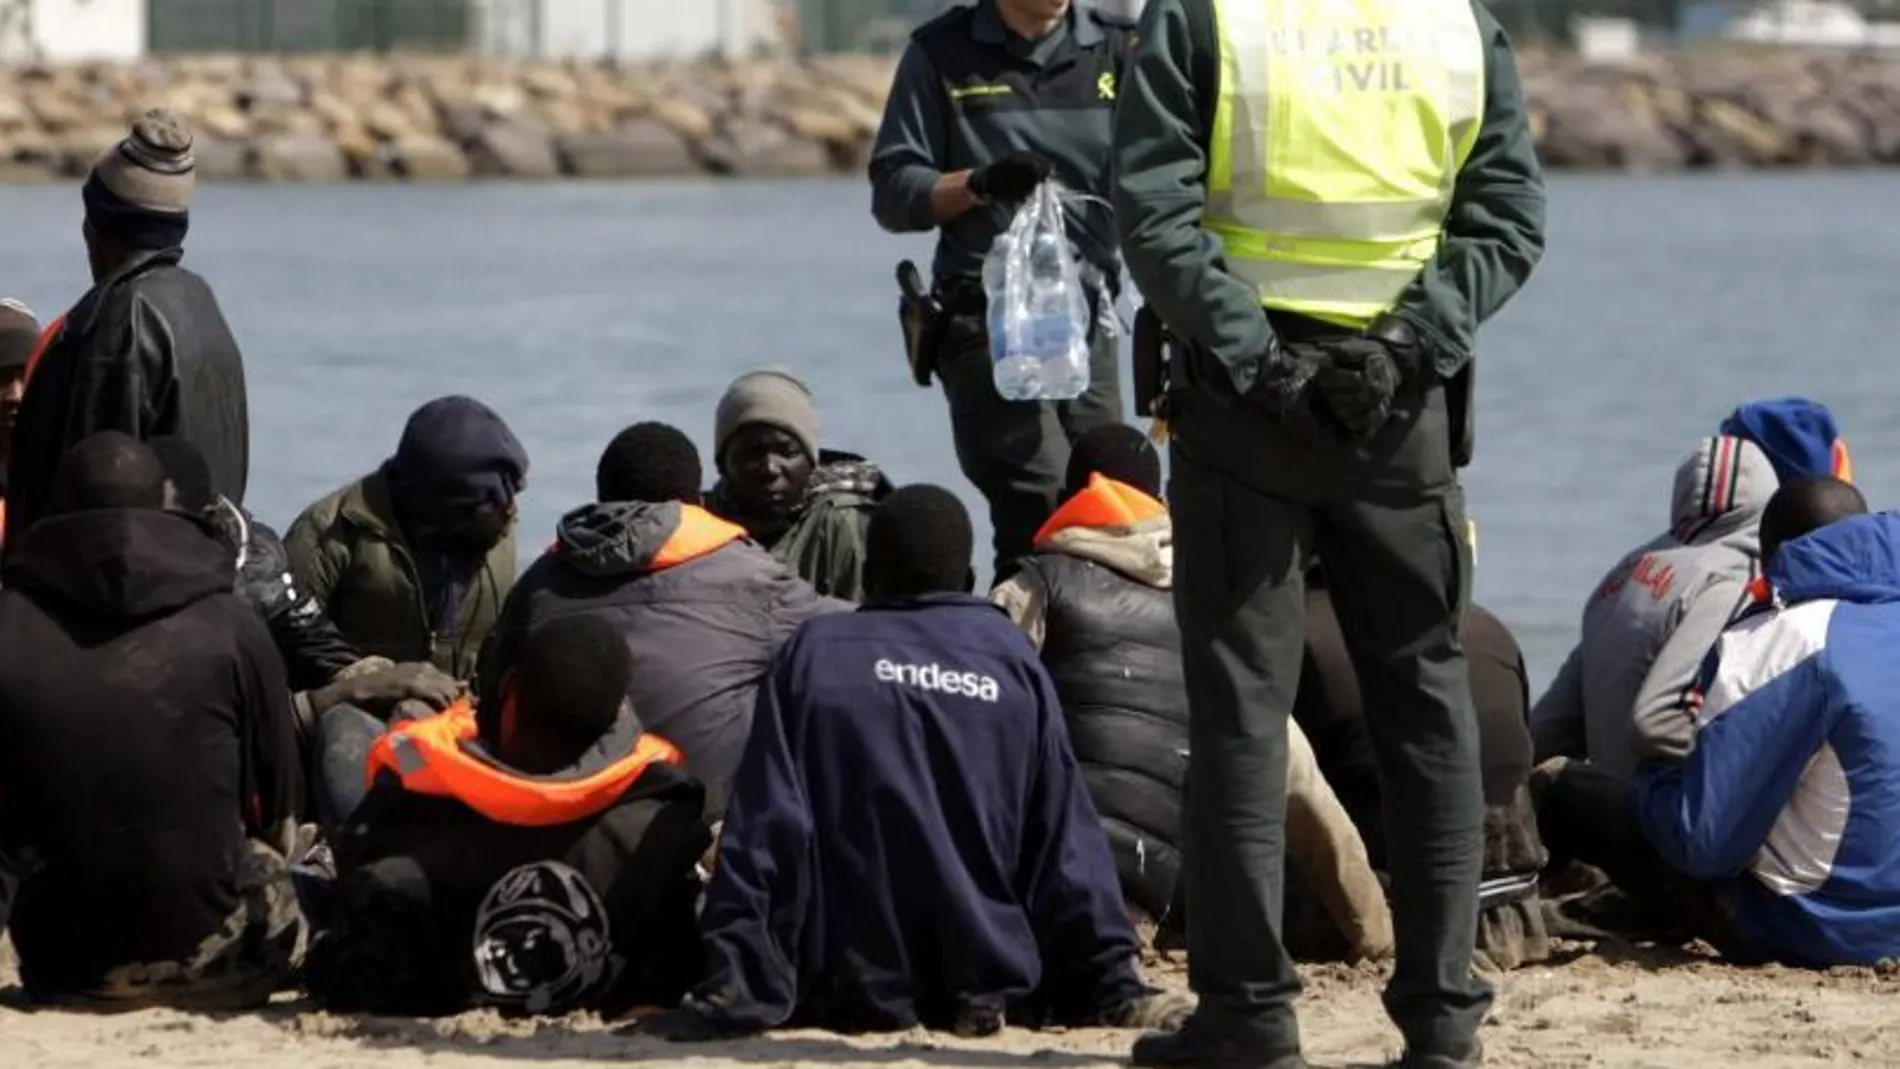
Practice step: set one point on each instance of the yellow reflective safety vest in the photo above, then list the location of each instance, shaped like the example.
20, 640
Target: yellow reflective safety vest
1338, 137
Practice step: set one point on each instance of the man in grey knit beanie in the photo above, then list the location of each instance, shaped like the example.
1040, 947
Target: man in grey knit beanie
138, 194
146, 351
809, 506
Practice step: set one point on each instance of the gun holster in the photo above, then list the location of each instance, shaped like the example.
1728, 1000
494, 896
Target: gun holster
1461, 412
1151, 354
922, 321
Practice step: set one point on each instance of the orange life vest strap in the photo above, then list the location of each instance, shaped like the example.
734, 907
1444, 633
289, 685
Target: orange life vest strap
1843, 463
429, 758
699, 533
45, 342
1104, 503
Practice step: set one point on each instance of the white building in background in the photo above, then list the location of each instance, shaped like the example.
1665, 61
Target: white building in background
72, 30
629, 29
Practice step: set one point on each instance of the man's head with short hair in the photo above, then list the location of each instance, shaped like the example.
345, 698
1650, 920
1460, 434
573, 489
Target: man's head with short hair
919, 542
649, 462
1115, 451
187, 476
568, 686
1806, 505
109, 470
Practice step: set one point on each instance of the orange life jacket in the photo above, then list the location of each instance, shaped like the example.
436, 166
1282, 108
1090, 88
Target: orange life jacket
1103, 503
429, 758
47, 335
1843, 463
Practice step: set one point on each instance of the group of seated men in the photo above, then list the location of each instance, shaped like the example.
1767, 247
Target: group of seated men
761, 752
1721, 745
674, 763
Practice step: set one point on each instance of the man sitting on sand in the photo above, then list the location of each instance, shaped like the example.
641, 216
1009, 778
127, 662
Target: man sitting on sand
414, 560
702, 607
909, 841
1773, 842
1096, 598
809, 506
1651, 620
148, 769
551, 870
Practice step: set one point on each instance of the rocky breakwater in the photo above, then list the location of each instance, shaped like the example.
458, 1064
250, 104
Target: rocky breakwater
1716, 109
429, 118
445, 118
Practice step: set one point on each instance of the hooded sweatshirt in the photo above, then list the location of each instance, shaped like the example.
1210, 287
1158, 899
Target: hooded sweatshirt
1620, 696
1790, 801
909, 841
145, 733
703, 609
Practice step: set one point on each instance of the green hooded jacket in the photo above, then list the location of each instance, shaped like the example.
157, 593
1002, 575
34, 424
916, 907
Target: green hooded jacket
349, 550
825, 543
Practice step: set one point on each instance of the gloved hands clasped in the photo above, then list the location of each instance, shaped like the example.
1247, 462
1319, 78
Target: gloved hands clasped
1344, 385
1012, 178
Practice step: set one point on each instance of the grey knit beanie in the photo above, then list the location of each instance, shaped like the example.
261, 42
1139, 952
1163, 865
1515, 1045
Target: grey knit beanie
773, 397
139, 191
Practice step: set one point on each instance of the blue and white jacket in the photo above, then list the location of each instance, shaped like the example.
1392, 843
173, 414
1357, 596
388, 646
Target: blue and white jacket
1791, 797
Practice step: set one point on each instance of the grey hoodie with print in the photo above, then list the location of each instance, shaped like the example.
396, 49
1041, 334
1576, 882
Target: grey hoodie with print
1621, 697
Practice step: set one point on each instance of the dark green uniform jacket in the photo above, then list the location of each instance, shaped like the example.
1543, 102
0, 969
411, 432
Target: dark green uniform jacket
968, 92
1493, 236
348, 549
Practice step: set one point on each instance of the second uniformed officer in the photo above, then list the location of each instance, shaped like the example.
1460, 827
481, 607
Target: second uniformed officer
1323, 199
989, 100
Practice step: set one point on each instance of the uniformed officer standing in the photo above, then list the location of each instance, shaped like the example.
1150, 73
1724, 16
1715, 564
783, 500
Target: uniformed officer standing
1323, 199
988, 100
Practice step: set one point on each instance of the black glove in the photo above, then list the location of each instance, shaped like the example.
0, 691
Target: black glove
1362, 374
1011, 178
1285, 387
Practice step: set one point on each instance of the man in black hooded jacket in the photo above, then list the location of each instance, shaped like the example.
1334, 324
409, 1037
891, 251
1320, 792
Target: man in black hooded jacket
146, 351
148, 772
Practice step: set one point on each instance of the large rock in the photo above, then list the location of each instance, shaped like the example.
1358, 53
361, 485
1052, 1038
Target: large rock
422, 158
756, 149
642, 148
220, 160
298, 158
514, 150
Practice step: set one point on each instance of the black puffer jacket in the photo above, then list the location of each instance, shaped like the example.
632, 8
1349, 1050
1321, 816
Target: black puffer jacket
145, 352
314, 650
1111, 644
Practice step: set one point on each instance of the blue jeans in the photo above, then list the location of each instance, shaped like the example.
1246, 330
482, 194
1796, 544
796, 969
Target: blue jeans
344, 736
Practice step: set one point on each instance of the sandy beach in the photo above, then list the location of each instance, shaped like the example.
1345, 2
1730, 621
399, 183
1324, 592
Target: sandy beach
1619, 1007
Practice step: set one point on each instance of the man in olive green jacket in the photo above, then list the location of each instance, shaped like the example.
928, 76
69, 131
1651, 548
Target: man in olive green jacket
810, 506
413, 561
1306, 422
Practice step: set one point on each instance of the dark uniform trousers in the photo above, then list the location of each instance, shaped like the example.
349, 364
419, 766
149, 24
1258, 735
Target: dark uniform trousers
1251, 503
1016, 453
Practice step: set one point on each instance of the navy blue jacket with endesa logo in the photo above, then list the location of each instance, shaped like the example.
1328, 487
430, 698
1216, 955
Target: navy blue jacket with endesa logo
908, 838
969, 91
